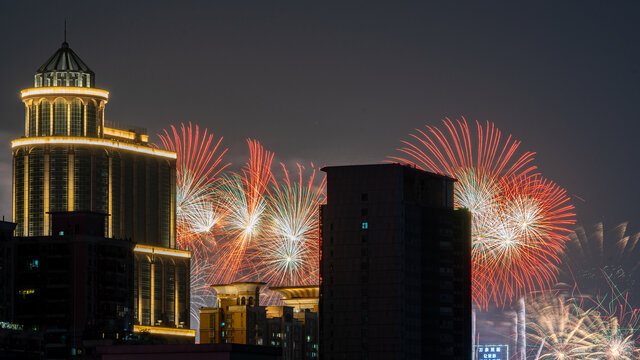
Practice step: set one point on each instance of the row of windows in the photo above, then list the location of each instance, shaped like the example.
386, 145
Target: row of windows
63, 78
46, 119
142, 201
169, 273
36, 193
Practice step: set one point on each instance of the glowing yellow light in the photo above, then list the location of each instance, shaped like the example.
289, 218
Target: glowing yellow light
63, 90
173, 253
164, 330
93, 141
139, 248
120, 133
162, 251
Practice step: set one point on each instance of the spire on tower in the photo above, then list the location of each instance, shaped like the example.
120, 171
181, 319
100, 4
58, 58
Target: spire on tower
65, 44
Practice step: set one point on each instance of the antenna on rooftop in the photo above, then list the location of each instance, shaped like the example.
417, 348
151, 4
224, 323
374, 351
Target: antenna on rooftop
65, 30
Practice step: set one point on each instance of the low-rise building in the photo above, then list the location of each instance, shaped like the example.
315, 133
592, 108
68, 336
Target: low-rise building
239, 319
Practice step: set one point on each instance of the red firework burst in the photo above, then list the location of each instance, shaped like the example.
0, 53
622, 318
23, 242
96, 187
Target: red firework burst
198, 166
242, 197
520, 220
289, 254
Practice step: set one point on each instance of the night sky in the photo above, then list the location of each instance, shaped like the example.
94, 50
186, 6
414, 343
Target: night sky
344, 82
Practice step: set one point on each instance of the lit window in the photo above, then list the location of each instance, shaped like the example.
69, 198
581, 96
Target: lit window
365, 225
61, 233
33, 264
26, 292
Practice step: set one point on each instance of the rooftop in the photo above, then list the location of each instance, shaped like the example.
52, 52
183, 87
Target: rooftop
64, 59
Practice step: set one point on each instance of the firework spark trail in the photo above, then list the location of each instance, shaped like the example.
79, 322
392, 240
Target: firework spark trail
559, 326
519, 219
201, 292
198, 165
242, 197
602, 259
561, 329
207, 218
523, 235
616, 331
289, 256
522, 316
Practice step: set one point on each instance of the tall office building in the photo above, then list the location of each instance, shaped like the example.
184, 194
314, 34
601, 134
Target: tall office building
395, 266
72, 160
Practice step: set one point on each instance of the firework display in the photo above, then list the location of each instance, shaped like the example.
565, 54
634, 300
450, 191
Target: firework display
291, 255
601, 259
198, 165
519, 218
261, 223
247, 225
563, 329
242, 196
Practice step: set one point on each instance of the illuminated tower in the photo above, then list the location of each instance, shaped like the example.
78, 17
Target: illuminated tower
71, 160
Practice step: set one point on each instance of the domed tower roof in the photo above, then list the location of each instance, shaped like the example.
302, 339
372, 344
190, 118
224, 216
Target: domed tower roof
64, 59
64, 68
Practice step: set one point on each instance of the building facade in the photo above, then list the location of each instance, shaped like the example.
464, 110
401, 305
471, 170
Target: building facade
161, 290
6, 270
75, 286
395, 266
304, 304
71, 160
239, 319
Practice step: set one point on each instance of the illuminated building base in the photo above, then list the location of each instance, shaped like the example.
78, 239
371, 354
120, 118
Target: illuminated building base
159, 330
161, 287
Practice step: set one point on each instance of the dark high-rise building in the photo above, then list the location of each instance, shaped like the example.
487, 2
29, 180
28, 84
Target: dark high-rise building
75, 286
70, 160
6, 270
395, 266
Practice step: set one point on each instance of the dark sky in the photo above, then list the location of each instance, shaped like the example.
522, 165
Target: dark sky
344, 82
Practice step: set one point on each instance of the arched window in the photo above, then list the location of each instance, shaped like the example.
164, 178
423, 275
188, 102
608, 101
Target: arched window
60, 117
243, 301
77, 117
250, 300
44, 118
33, 128
92, 123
